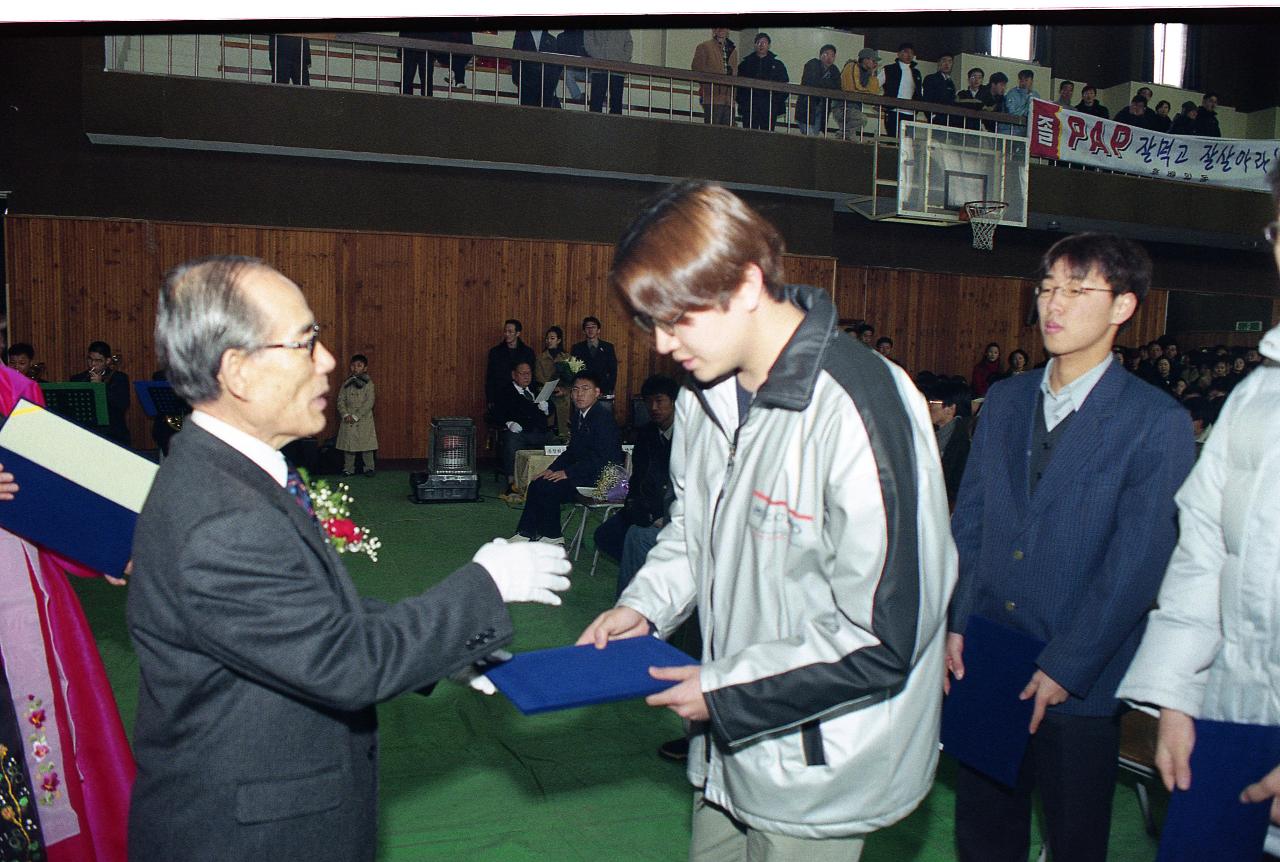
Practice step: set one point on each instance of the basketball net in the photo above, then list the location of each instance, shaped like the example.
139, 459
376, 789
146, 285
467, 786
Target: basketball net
983, 218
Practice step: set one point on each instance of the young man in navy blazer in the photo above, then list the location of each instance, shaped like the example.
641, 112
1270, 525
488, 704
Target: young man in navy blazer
1064, 523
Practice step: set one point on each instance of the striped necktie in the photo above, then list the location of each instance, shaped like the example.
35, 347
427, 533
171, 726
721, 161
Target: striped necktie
298, 490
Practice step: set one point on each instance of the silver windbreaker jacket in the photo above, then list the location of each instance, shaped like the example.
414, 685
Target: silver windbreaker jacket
813, 539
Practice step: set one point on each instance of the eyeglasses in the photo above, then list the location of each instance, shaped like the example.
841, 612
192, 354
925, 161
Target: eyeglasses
1070, 290
581, 390
309, 345
648, 324
1272, 232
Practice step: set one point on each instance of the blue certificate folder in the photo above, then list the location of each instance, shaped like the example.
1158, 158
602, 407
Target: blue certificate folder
79, 494
572, 676
984, 725
1208, 821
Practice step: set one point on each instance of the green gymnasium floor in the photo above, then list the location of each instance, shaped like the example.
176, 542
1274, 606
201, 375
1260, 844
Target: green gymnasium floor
466, 777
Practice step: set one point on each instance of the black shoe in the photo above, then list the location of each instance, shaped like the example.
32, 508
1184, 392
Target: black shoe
675, 750
347, 473
368, 474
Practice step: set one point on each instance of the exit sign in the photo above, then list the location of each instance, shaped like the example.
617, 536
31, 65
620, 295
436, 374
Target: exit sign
1248, 326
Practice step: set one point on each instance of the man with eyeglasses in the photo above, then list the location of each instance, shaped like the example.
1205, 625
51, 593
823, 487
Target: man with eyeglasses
256, 733
593, 443
809, 532
1064, 523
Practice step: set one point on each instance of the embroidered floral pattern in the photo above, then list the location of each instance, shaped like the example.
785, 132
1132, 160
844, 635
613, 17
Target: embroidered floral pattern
19, 830
48, 783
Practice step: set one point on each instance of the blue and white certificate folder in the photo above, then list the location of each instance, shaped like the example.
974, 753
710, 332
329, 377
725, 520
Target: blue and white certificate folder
79, 494
984, 725
573, 676
1208, 821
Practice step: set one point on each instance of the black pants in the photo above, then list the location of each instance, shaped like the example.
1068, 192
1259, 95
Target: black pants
598, 92
541, 515
1071, 760
290, 59
413, 62
456, 62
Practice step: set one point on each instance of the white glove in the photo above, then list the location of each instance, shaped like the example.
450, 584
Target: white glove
474, 679
514, 427
526, 571
544, 407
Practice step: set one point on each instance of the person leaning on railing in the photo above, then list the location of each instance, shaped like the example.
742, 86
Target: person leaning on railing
856, 77
718, 56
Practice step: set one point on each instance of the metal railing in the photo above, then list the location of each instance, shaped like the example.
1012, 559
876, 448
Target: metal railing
378, 63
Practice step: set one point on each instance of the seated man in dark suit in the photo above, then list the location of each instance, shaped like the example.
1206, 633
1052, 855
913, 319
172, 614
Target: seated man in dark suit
593, 442
949, 410
650, 490
524, 420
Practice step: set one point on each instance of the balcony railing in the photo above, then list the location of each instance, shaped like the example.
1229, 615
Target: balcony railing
376, 63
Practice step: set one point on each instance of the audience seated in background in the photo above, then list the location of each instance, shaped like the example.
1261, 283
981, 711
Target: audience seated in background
1160, 120
1066, 92
1018, 102
857, 77
1185, 122
1019, 363
884, 346
1136, 114
524, 420
119, 392
987, 370
22, 359
649, 494
949, 410
760, 108
502, 358
821, 71
1089, 103
866, 334
718, 56
593, 443
1207, 117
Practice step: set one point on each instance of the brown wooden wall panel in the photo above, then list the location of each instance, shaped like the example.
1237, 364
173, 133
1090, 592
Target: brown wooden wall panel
426, 309
942, 323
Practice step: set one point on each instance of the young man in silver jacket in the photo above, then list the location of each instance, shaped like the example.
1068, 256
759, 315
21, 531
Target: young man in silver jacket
810, 533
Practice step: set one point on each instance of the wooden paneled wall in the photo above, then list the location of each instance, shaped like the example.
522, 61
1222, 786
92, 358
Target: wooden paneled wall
943, 322
426, 309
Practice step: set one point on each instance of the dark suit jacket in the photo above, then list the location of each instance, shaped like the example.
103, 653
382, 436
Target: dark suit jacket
954, 458
511, 406
604, 364
497, 369
118, 398
650, 490
256, 735
1078, 562
593, 442
536, 82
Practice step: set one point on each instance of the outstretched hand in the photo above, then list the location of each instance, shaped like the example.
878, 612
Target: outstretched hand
526, 571
614, 624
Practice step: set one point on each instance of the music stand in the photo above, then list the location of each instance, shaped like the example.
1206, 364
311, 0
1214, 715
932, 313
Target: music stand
157, 398
83, 403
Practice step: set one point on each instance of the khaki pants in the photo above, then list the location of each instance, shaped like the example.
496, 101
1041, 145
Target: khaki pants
717, 837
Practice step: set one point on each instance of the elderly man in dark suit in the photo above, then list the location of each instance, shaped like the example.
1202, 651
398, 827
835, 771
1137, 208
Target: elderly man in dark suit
593, 443
256, 734
1065, 523
523, 418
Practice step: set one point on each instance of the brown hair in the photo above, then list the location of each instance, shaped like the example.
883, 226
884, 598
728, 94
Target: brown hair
688, 248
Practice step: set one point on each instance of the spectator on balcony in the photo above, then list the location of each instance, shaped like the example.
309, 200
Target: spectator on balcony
974, 96
1089, 103
1207, 117
901, 80
821, 71
856, 77
422, 62
1146, 93
717, 56
760, 108
612, 45
1066, 92
940, 87
996, 99
1018, 102
573, 43
1185, 122
1136, 114
536, 82
1160, 120
290, 59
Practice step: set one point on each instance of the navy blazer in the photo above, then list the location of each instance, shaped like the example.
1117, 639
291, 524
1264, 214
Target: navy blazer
1078, 562
593, 442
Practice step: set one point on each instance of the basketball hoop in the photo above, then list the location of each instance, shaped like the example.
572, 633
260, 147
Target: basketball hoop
983, 216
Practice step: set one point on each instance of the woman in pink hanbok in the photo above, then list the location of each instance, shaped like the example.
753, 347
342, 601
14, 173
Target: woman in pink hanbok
65, 766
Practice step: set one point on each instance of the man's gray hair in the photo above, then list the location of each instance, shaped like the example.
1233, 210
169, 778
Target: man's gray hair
202, 314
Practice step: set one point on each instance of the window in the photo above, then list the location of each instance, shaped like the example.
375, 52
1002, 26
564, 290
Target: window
1011, 40
1170, 54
